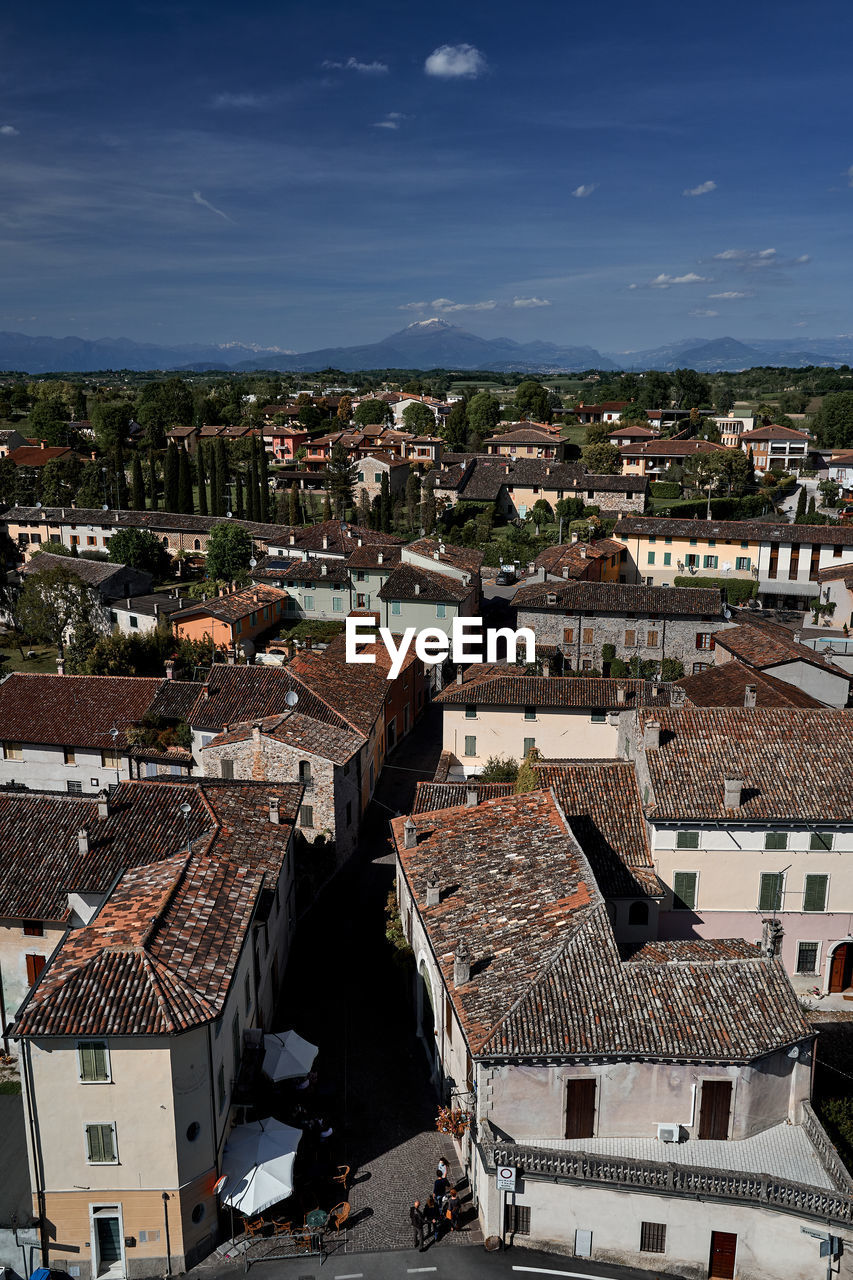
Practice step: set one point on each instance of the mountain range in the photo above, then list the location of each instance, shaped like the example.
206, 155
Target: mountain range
426, 344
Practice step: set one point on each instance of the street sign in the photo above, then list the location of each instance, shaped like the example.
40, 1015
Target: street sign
506, 1177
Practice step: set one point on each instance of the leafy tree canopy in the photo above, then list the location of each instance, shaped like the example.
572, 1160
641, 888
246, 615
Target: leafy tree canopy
141, 550
229, 550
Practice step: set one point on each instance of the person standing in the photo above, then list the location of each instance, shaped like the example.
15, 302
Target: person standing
416, 1216
432, 1216
439, 1189
441, 1170
452, 1208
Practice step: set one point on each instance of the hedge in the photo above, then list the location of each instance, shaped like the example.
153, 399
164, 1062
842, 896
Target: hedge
721, 508
665, 489
738, 590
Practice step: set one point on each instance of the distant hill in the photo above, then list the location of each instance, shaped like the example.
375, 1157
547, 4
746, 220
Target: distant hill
426, 344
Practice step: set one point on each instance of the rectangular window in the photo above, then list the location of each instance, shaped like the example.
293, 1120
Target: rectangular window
692, 562
770, 891
652, 1237
76, 788
743, 562
568, 635
69, 756
807, 957
110, 759
530, 713
650, 559
337, 605
684, 890
814, 894
441, 610
652, 640
471, 711
744, 544
630, 639
687, 840
91, 542
101, 1144
134, 622
33, 929
93, 1061
308, 604
700, 666
470, 746
529, 744
709, 562
820, 840
13, 751
306, 815
667, 557
652, 538
247, 993
517, 1219
712, 542
35, 964
694, 542
597, 717
588, 635
775, 840
220, 1086
704, 640
395, 608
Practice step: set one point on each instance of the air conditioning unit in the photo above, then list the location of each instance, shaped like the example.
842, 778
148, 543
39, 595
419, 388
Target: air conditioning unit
669, 1132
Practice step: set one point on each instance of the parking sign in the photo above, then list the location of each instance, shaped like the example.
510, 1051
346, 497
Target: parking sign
506, 1177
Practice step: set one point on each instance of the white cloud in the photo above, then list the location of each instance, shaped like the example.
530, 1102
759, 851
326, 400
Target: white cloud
731, 293
701, 190
704, 311
205, 204
633, 286
353, 64
585, 189
531, 302
758, 259
447, 304
455, 62
391, 121
9, 131
664, 281
240, 101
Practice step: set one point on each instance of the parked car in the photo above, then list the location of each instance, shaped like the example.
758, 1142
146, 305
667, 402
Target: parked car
505, 578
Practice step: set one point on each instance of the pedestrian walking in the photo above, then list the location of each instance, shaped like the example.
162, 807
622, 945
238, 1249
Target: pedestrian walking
452, 1207
441, 1169
439, 1189
416, 1214
432, 1217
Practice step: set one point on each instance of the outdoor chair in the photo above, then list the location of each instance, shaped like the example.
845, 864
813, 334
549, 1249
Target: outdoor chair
339, 1215
255, 1228
342, 1175
282, 1228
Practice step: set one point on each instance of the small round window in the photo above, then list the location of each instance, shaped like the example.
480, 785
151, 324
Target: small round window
198, 1213
193, 1131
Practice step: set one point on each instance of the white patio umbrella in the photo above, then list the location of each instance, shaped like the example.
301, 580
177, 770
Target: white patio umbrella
258, 1163
287, 1055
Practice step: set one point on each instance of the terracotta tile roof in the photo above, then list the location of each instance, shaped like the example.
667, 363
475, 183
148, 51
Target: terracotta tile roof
678, 950
157, 521
408, 582
341, 538
670, 448
358, 700
546, 974
621, 598
234, 695
767, 644
368, 558
577, 557
319, 569
93, 572
631, 430
35, 456
336, 648
724, 685
298, 731
613, 484
774, 432
795, 765
524, 435
733, 530
74, 711
430, 796
174, 699
835, 572
550, 692
432, 549
235, 605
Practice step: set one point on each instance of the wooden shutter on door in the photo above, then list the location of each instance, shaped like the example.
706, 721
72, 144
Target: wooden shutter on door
580, 1108
715, 1109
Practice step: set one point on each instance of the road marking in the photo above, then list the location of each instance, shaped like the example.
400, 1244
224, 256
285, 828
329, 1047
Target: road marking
414, 1271
351, 1275
545, 1271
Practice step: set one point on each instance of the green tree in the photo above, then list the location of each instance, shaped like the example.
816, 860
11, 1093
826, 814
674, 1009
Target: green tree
385, 503
185, 483
223, 475
239, 503
140, 549
691, 389
802, 499
47, 421
78, 404
656, 390
171, 491
110, 420
499, 769
263, 483
293, 505
215, 486
152, 480
253, 490
201, 470
484, 413
419, 418
137, 487
370, 412
229, 550
527, 778
90, 490
120, 477
340, 478
428, 512
309, 417
345, 408
532, 400
327, 506
830, 491
413, 497
602, 459
455, 427
8, 472
364, 509
52, 600
833, 423
632, 415
599, 432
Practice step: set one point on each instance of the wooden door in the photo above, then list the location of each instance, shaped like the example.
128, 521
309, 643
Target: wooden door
721, 1265
842, 968
580, 1108
715, 1109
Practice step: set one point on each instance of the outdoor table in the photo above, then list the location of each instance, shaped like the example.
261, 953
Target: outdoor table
316, 1219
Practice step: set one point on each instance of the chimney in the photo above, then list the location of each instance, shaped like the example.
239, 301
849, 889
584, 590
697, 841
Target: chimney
565, 571
771, 937
750, 695
256, 733
156, 611
82, 840
170, 669
417, 588
274, 818
436, 555
103, 804
360, 542
798, 635
651, 737
575, 535
324, 569
732, 790
205, 693
546, 668
547, 471
232, 656
325, 543
620, 694
458, 675
471, 798
433, 889
410, 834
462, 964
292, 540
583, 553
380, 558
60, 665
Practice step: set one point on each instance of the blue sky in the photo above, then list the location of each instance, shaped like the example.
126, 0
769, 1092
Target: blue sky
310, 174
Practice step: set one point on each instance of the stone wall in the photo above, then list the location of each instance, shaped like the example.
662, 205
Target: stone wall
675, 637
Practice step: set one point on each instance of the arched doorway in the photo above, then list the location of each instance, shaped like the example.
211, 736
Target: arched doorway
426, 1015
841, 968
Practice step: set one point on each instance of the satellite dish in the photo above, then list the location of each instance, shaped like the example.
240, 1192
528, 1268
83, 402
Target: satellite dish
104, 506
229, 514
291, 697
38, 506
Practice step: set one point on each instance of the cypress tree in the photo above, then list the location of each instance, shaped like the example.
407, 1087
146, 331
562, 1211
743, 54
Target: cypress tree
264, 482
202, 480
214, 483
239, 506
293, 505
152, 479
137, 496
222, 474
802, 499
171, 493
385, 502
185, 483
327, 507
253, 495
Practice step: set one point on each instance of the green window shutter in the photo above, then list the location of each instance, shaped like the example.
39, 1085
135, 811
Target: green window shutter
814, 897
820, 840
101, 1143
470, 746
770, 893
529, 744
775, 840
684, 890
93, 1060
687, 840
